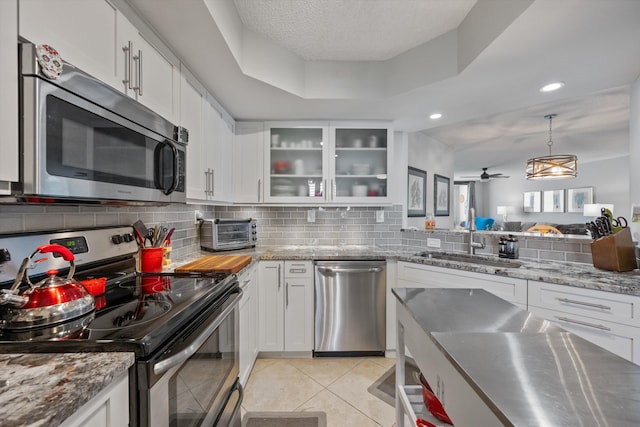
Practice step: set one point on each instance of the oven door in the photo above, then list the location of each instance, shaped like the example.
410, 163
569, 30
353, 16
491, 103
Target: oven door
74, 148
195, 381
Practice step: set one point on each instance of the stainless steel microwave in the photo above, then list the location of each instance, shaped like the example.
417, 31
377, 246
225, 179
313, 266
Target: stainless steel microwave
82, 140
227, 234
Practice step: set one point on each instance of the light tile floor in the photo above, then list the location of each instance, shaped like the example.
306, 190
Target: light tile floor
336, 386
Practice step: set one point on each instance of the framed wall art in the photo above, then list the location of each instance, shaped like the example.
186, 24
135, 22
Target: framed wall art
441, 194
531, 201
417, 192
553, 201
578, 197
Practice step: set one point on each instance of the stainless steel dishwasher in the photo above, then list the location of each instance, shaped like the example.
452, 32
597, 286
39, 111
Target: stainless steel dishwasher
350, 308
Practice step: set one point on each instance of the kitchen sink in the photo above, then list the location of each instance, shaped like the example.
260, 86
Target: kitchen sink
471, 259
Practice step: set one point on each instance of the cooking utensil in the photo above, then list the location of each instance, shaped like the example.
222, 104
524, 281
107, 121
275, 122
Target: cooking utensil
141, 231
423, 423
52, 300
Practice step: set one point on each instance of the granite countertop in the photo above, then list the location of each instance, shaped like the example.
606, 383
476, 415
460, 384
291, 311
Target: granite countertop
562, 273
44, 389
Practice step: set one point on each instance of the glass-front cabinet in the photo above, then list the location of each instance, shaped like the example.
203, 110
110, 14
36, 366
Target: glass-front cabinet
295, 163
360, 163
327, 162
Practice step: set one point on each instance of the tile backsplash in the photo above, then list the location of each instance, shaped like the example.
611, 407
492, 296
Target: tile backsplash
276, 225
282, 225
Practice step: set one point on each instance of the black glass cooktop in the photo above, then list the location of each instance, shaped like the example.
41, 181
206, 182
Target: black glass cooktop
136, 313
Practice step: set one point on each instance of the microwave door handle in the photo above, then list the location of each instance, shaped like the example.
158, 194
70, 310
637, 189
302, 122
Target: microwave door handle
160, 161
184, 354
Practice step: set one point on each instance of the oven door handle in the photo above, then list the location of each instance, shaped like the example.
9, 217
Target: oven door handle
179, 358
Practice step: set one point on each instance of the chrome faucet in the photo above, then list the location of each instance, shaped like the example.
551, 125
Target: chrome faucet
472, 228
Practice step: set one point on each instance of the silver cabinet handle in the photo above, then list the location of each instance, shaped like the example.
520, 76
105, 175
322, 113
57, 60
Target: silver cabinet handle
259, 183
127, 65
325, 190
213, 188
349, 270
278, 276
140, 73
206, 182
579, 322
286, 295
333, 192
181, 356
138, 59
586, 304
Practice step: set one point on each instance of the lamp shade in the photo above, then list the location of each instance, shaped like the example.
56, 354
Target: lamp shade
595, 209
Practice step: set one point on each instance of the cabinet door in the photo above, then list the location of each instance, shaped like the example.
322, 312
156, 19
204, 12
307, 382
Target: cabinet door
9, 90
298, 306
295, 162
144, 73
507, 288
247, 162
360, 161
218, 152
271, 306
191, 108
84, 34
620, 339
110, 408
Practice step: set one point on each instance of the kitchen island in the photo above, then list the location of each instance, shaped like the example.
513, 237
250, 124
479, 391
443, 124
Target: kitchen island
501, 365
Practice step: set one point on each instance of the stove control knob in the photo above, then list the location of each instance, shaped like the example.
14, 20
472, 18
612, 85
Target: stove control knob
127, 237
116, 239
5, 255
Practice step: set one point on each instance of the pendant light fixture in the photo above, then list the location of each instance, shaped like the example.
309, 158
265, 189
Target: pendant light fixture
552, 166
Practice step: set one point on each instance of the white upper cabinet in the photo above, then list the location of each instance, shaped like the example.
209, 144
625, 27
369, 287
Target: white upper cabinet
218, 151
247, 162
82, 31
210, 147
144, 73
327, 162
360, 160
192, 100
295, 162
9, 91
97, 38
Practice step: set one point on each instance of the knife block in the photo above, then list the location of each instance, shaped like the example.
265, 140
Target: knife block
615, 252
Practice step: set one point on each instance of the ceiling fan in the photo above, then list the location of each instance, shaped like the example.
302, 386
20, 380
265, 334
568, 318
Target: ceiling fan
486, 176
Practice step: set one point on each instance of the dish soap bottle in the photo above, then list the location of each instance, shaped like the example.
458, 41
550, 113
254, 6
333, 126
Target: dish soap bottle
429, 222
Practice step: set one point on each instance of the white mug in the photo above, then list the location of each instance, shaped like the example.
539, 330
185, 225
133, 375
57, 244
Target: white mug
298, 167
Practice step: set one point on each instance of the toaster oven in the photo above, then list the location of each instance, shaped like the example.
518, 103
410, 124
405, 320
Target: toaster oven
227, 234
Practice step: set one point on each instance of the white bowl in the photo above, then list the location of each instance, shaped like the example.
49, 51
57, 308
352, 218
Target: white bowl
361, 168
359, 190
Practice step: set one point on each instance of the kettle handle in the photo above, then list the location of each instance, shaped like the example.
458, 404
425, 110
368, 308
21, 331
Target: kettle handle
67, 255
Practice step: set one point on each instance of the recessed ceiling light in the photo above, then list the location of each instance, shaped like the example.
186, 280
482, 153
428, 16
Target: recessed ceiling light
552, 86
435, 116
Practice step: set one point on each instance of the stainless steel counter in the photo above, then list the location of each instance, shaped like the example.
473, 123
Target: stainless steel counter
550, 379
522, 370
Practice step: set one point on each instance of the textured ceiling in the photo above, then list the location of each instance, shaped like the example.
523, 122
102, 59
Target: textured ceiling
351, 30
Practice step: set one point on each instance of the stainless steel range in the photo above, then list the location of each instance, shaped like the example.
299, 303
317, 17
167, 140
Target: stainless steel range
183, 329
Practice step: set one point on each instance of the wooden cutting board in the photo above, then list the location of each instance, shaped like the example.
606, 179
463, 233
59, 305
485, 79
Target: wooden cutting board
216, 264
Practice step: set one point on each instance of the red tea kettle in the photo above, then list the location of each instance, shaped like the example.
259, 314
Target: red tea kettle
52, 300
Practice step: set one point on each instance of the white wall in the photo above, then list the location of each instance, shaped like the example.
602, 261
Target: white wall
634, 155
609, 179
433, 157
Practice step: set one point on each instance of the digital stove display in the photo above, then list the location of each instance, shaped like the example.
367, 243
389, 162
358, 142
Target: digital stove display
77, 245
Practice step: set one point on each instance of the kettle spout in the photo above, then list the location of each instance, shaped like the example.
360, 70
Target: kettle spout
8, 297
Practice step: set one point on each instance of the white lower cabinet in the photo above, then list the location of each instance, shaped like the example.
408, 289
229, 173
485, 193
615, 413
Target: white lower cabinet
607, 319
411, 275
248, 322
110, 408
286, 304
